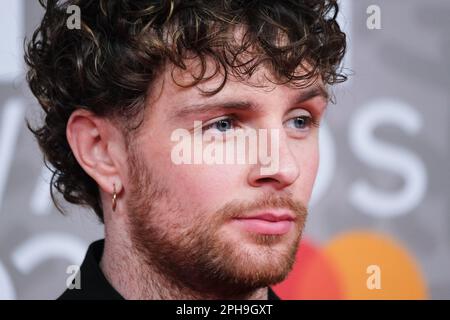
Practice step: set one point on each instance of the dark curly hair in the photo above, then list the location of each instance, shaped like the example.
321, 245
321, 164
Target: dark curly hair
108, 64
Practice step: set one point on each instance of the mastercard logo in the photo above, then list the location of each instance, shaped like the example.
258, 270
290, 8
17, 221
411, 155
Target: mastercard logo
354, 265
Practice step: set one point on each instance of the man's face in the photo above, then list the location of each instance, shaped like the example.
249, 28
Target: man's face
187, 220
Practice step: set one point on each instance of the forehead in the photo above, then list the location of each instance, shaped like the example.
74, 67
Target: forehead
175, 83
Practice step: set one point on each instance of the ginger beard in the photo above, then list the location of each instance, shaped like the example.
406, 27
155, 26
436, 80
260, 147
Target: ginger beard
198, 250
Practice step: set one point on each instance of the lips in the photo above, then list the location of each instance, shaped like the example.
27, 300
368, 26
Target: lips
271, 217
267, 223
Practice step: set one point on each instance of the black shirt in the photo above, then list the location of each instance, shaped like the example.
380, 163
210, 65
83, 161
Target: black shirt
94, 285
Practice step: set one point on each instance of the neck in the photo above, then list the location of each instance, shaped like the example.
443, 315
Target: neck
135, 279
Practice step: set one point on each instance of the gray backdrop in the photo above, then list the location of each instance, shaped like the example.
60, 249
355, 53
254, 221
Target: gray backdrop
384, 150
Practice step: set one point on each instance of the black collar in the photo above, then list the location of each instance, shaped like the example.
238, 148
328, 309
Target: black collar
94, 285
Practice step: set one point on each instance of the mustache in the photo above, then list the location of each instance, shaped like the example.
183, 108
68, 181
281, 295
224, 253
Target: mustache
239, 209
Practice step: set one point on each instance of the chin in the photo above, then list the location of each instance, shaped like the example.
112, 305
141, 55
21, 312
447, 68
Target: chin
262, 265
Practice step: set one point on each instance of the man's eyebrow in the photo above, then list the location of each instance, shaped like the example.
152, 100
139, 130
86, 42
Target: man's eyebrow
200, 108
205, 107
312, 92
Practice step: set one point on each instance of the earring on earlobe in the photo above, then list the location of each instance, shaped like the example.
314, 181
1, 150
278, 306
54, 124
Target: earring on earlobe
114, 198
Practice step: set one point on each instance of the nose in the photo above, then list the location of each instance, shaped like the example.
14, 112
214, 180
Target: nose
284, 173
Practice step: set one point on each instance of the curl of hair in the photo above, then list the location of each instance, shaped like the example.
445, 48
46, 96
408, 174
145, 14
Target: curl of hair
107, 65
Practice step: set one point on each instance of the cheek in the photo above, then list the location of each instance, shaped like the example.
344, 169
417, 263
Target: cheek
310, 170
207, 186
196, 187
308, 162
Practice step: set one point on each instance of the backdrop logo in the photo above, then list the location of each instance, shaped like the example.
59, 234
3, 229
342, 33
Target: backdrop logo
354, 265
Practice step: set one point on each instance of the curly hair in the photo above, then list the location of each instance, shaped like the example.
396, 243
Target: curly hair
108, 64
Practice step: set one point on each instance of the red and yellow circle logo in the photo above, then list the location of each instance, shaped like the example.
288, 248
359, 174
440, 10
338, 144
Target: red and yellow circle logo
355, 265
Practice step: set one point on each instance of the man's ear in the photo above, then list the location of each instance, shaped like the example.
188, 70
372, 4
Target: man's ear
98, 147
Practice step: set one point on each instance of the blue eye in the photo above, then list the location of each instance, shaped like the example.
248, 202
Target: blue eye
221, 125
303, 122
